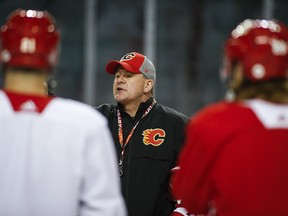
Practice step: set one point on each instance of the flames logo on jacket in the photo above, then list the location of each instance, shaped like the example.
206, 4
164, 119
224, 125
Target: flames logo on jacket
154, 137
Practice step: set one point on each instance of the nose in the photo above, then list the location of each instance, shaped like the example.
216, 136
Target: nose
120, 79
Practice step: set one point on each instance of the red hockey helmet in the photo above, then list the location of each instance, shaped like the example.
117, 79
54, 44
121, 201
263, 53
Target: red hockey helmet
262, 47
29, 40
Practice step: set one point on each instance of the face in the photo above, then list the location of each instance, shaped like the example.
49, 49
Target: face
129, 87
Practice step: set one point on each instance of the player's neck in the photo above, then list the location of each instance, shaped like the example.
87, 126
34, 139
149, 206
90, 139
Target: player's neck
25, 83
132, 107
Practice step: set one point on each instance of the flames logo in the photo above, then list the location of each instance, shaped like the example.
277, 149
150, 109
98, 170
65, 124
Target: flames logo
128, 56
154, 137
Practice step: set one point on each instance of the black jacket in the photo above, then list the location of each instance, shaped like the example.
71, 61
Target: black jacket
149, 156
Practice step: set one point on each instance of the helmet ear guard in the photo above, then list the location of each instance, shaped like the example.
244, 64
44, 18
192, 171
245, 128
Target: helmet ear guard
29, 39
261, 46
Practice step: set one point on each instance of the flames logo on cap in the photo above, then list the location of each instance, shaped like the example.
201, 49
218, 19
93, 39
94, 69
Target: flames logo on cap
154, 137
128, 56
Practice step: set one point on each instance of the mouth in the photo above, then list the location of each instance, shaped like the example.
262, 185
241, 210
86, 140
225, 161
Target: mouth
119, 89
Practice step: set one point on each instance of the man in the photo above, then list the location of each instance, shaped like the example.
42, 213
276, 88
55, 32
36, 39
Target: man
147, 135
235, 159
56, 155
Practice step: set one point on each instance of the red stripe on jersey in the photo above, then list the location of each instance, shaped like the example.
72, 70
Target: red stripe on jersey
25, 102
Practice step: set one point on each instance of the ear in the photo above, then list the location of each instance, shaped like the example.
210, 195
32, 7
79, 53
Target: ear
148, 86
237, 76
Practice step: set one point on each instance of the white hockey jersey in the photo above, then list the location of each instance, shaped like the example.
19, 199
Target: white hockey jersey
57, 158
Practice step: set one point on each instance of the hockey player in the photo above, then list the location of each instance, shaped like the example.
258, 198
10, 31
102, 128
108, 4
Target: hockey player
57, 157
235, 159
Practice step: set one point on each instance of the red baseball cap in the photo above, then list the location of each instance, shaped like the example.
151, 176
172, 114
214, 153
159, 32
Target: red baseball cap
134, 63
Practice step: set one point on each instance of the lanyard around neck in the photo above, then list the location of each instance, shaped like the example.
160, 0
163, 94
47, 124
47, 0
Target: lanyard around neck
120, 130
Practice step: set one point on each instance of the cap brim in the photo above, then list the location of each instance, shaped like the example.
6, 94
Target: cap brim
112, 66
